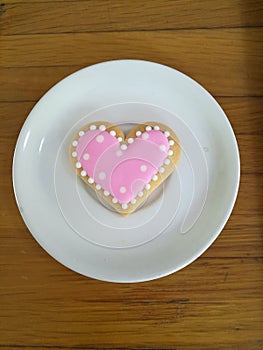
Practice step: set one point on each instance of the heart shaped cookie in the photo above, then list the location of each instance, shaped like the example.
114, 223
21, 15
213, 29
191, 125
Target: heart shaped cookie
124, 171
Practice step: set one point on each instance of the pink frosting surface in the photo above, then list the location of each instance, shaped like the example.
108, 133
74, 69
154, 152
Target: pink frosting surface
123, 173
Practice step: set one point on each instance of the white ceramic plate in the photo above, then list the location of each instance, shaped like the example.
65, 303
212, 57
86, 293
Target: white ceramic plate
177, 223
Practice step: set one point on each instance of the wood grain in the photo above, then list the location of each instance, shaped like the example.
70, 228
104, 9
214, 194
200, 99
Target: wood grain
215, 303
126, 15
29, 84
244, 113
231, 58
135, 315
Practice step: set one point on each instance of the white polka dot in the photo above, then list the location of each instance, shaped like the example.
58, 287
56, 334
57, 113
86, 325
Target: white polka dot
140, 194
93, 127
74, 154
106, 193
124, 147
102, 175
124, 205
100, 138
118, 153
167, 161
148, 128
102, 127
113, 133
166, 133
130, 140
83, 173
114, 200
145, 135
78, 165
147, 186
170, 152
162, 148
81, 133
171, 142
156, 127
98, 187
133, 201
86, 156
123, 189
75, 143
161, 170
119, 139
138, 133
143, 168
90, 180
155, 177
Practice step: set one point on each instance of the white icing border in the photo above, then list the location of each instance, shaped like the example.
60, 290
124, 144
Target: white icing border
124, 146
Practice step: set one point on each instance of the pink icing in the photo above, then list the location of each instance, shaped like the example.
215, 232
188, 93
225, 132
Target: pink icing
129, 175
123, 173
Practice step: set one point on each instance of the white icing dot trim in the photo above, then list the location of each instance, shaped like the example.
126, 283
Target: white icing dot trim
130, 140
145, 135
155, 177
90, 180
147, 186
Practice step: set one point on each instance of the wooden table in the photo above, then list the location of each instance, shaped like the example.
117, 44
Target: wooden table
216, 302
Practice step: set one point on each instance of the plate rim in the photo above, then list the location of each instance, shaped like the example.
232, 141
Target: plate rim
200, 251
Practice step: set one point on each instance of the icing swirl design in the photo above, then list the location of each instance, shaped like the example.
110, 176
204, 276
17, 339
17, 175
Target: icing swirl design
122, 170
